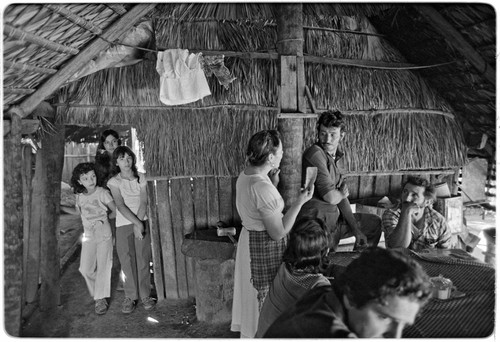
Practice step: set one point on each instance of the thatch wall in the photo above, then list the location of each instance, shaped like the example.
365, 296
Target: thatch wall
395, 121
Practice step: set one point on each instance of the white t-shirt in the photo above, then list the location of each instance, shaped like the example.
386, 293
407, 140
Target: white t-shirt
93, 207
131, 193
257, 198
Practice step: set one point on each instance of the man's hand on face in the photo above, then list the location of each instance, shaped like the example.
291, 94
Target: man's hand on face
410, 208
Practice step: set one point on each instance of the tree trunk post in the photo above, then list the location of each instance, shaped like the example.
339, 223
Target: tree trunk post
292, 88
13, 228
53, 158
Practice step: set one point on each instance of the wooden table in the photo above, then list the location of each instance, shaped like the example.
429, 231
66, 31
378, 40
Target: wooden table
470, 316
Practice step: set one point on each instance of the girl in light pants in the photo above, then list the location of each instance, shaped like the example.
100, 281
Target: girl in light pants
96, 259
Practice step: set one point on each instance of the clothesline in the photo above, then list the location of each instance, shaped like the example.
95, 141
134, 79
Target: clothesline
315, 59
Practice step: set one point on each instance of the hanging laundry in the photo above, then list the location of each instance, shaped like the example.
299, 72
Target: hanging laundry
182, 79
214, 65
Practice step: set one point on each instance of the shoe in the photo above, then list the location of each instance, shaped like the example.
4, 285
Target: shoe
101, 306
149, 303
128, 305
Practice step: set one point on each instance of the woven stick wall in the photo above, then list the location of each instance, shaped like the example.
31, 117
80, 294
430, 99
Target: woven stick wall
199, 139
395, 121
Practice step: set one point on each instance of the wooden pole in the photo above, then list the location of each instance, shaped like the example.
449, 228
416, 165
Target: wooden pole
27, 168
32, 271
13, 228
290, 48
114, 32
52, 160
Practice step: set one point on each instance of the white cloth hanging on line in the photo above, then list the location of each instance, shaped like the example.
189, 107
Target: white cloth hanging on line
182, 79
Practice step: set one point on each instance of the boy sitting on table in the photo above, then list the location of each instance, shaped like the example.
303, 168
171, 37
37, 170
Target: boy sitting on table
377, 295
414, 224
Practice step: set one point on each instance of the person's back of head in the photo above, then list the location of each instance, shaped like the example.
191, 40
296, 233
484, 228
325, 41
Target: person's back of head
262, 144
379, 273
308, 246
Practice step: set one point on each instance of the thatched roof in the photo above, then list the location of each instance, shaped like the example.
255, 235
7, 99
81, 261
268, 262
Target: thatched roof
355, 61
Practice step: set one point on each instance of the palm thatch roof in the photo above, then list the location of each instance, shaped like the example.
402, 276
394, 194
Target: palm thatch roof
400, 117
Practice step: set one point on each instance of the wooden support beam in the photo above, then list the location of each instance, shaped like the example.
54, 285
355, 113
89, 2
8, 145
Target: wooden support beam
456, 39
290, 43
26, 67
114, 32
87, 25
22, 91
52, 152
313, 28
28, 126
32, 240
12, 32
13, 229
394, 173
117, 8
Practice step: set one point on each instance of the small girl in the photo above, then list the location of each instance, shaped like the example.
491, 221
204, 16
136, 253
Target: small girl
96, 260
133, 240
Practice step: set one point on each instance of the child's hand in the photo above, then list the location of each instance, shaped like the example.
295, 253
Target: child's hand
139, 231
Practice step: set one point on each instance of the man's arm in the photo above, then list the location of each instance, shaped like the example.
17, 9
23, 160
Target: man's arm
345, 208
324, 184
398, 230
327, 190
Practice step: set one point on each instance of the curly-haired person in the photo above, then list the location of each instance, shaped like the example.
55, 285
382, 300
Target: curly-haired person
414, 224
379, 294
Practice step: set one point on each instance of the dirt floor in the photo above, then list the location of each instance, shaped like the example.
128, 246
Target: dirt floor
75, 317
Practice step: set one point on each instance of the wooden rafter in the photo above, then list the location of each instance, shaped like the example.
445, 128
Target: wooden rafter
114, 32
456, 39
23, 91
22, 66
87, 25
12, 32
117, 8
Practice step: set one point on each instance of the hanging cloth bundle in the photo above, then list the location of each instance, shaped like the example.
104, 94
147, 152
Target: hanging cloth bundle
182, 79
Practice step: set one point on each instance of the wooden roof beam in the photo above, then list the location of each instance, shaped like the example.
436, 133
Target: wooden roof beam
87, 25
21, 66
114, 32
117, 8
23, 91
457, 40
12, 32
488, 21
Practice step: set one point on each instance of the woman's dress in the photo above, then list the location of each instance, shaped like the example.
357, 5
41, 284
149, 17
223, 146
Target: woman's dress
256, 198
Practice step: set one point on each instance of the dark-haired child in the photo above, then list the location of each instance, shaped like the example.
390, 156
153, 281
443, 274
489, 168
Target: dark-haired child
96, 260
303, 261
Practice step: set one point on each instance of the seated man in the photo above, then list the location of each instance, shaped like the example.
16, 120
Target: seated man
414, 224
330, 191
377, 295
